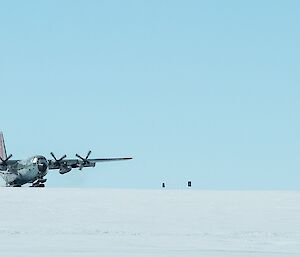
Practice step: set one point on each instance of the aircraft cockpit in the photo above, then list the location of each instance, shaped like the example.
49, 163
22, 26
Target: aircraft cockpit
35, 160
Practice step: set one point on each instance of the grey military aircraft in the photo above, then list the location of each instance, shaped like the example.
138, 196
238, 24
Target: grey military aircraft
34, 169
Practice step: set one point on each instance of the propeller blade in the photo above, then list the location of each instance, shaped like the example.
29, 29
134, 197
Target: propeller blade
84, 160
5, 161
62, 158
88, 155
58, 162
78, 156
53, 156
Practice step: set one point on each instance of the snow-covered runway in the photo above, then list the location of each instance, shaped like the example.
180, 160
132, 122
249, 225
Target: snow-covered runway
104, 222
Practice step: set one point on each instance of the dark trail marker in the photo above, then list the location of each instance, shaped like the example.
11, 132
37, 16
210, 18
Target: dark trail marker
189, 183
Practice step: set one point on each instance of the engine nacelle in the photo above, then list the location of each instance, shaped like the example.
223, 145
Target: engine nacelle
64, 170
3, 167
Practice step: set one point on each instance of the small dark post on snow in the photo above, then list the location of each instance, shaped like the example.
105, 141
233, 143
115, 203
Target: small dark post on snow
189, 183
163, 185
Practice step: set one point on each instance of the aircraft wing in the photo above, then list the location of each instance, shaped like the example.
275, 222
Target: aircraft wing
8, 163
69, 164
11, 162
110, 159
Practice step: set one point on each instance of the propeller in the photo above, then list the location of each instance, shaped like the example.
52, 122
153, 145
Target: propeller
4, 161
84, 160
58, 161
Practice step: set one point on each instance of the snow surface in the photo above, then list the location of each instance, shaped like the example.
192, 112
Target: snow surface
105, 222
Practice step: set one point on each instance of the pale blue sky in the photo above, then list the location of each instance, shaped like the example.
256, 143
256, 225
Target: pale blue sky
206, 91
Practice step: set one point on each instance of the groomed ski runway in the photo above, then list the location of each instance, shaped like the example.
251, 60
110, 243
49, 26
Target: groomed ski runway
105, 222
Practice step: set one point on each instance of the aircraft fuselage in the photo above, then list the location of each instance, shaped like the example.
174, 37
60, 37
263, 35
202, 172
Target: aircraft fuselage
26, 171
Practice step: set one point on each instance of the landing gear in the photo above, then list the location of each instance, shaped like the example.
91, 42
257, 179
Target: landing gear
39, 183
42, 180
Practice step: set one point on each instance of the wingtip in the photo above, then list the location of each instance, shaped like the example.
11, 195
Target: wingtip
127, 158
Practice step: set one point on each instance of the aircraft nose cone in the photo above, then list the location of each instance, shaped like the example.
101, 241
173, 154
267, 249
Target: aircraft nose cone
42, 167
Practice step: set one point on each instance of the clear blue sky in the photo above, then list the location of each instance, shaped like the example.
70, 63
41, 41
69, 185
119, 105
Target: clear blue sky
206, 91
